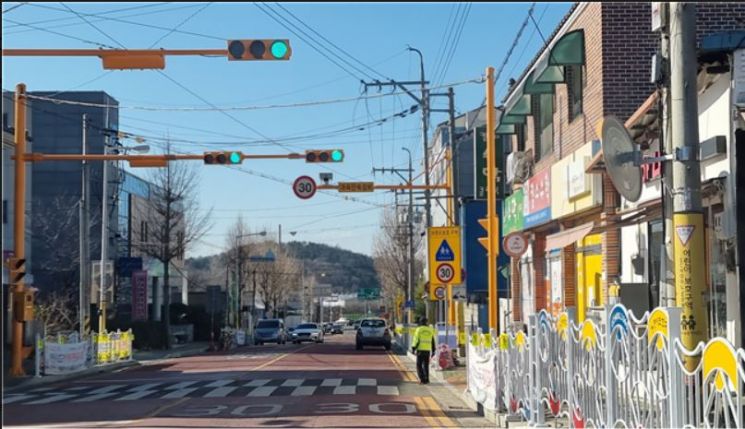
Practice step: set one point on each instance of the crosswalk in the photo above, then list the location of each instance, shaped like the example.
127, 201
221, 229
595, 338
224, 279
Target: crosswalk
205, 389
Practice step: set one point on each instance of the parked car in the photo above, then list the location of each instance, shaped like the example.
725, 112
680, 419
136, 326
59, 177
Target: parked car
327, 327
270, 331
356, 324
307, 332
373, 331
337, 328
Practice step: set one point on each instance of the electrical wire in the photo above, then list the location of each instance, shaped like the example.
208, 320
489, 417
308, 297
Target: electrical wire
179, 25
79, 39
14, 7
454, 48
93, 25
48, 21
448, 40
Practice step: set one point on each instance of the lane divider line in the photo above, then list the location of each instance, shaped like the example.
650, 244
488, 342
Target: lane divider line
438, 412
425, 412
282, 356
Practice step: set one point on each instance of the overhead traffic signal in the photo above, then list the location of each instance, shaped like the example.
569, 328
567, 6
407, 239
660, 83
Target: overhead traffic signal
259, 50
17, 270
332, 155
223, 158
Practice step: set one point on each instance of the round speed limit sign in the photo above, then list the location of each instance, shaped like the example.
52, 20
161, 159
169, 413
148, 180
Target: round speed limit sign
445, 273
304, 187
440, 292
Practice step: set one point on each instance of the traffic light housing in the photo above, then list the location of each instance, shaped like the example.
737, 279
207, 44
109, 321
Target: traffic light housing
331, 155
17, 270
223, 158
259, 50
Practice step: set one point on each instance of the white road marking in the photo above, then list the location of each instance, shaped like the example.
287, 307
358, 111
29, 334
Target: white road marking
43, 389
331, 382
219, 383
262, 391
78, 388
9, 399
367, 382
303, 391
179, 386
293, 382
105, 389
257, 383
50, 399
220, 392
178, 393
92, 398
345, 390
135, 395
388, 390
143, 387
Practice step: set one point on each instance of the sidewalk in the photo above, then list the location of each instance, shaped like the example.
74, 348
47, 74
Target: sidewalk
11, 384
454, 381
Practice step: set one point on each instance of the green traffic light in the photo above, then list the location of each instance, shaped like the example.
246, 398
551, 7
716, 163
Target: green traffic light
235, 157
337, 156
279, 49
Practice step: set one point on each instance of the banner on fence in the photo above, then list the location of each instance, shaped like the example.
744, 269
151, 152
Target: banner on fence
482, 382
65, 358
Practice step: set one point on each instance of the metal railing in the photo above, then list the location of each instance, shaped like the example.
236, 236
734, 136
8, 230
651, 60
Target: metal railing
621, 372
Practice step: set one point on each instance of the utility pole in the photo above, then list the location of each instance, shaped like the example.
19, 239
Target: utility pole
104, 236
84, 257
688, 218
667, 279
491, 223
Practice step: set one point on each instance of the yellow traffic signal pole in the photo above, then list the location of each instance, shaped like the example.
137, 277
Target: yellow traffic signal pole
19, 226
491, 202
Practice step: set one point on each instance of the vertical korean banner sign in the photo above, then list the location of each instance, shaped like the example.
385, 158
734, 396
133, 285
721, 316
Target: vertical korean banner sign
139, 295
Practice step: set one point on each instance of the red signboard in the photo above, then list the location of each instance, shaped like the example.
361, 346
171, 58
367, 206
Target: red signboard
139, 295
652, 171
537, 200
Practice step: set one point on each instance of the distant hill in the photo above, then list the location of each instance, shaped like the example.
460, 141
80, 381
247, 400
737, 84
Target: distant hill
344, 270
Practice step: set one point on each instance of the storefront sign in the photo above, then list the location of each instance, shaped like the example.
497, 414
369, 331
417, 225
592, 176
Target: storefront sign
537, 205
652, 171
577, 179
479, 155
513, 212
139, 295
557, 283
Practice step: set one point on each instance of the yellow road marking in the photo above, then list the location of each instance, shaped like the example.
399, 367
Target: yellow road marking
163, 408
424, 410
406, 374
438, 413
282, 356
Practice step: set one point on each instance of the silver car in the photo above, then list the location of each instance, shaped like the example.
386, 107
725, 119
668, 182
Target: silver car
373, 331
307, 332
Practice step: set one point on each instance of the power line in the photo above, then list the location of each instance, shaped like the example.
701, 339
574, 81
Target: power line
14, 7
448, 40
47, 21
179, 25
454, 47
94, 26
79, 39
330, 42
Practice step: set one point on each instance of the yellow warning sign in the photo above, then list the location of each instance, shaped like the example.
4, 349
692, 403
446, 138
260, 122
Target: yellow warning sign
444, 257
690, 277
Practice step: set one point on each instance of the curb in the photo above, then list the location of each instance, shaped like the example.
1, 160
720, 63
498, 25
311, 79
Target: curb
33, 381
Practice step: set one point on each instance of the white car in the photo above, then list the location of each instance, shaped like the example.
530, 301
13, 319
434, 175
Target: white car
307, 332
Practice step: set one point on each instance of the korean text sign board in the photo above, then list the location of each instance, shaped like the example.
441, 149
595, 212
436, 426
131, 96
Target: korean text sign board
139, 295
444, 255
514, 213
537, 202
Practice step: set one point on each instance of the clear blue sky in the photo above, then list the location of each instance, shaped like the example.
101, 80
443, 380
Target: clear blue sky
374, 33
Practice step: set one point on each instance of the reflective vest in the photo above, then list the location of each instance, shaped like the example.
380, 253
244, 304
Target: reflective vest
424, 338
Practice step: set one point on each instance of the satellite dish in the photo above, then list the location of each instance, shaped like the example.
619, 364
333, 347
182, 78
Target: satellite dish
621, 159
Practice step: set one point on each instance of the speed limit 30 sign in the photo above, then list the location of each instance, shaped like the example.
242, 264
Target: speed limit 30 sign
445, 273
304, 187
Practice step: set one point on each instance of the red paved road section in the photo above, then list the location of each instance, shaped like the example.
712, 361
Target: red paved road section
310, 385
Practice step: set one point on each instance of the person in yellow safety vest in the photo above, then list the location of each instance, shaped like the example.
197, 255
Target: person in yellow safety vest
422, 346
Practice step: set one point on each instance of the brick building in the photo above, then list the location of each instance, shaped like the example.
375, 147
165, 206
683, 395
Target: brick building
596, 63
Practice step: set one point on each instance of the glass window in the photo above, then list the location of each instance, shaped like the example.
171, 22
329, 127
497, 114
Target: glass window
575, 86
543, 115
307, 326
264, 324
373, 324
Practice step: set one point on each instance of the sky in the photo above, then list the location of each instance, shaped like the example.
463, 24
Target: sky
209, 103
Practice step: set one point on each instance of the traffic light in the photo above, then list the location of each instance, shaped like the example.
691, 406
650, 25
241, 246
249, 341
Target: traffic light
223, 158
259, 50
17, 270
332, 155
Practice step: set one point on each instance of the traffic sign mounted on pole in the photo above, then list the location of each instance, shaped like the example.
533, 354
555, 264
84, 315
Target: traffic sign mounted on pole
304, 187
444, 257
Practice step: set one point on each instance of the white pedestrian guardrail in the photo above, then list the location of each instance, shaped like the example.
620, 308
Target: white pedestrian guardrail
65, 353
623, 372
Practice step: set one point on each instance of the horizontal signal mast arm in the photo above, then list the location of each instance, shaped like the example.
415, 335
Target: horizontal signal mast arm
388, 187
108, 52
38, 157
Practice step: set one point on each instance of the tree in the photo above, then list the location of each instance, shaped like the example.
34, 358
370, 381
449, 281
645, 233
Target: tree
391, 255
277, 280
173, 220
240, 243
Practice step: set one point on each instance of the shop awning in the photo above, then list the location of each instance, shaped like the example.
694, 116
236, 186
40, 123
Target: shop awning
506, 129
569, 50
568, 236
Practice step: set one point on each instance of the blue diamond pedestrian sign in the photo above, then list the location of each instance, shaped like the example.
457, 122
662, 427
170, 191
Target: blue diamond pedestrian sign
444, 252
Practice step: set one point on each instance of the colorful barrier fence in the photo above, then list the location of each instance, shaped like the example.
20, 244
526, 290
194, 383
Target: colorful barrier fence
624, 372
65, 353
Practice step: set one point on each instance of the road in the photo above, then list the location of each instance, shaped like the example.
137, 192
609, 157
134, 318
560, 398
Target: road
307, 385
